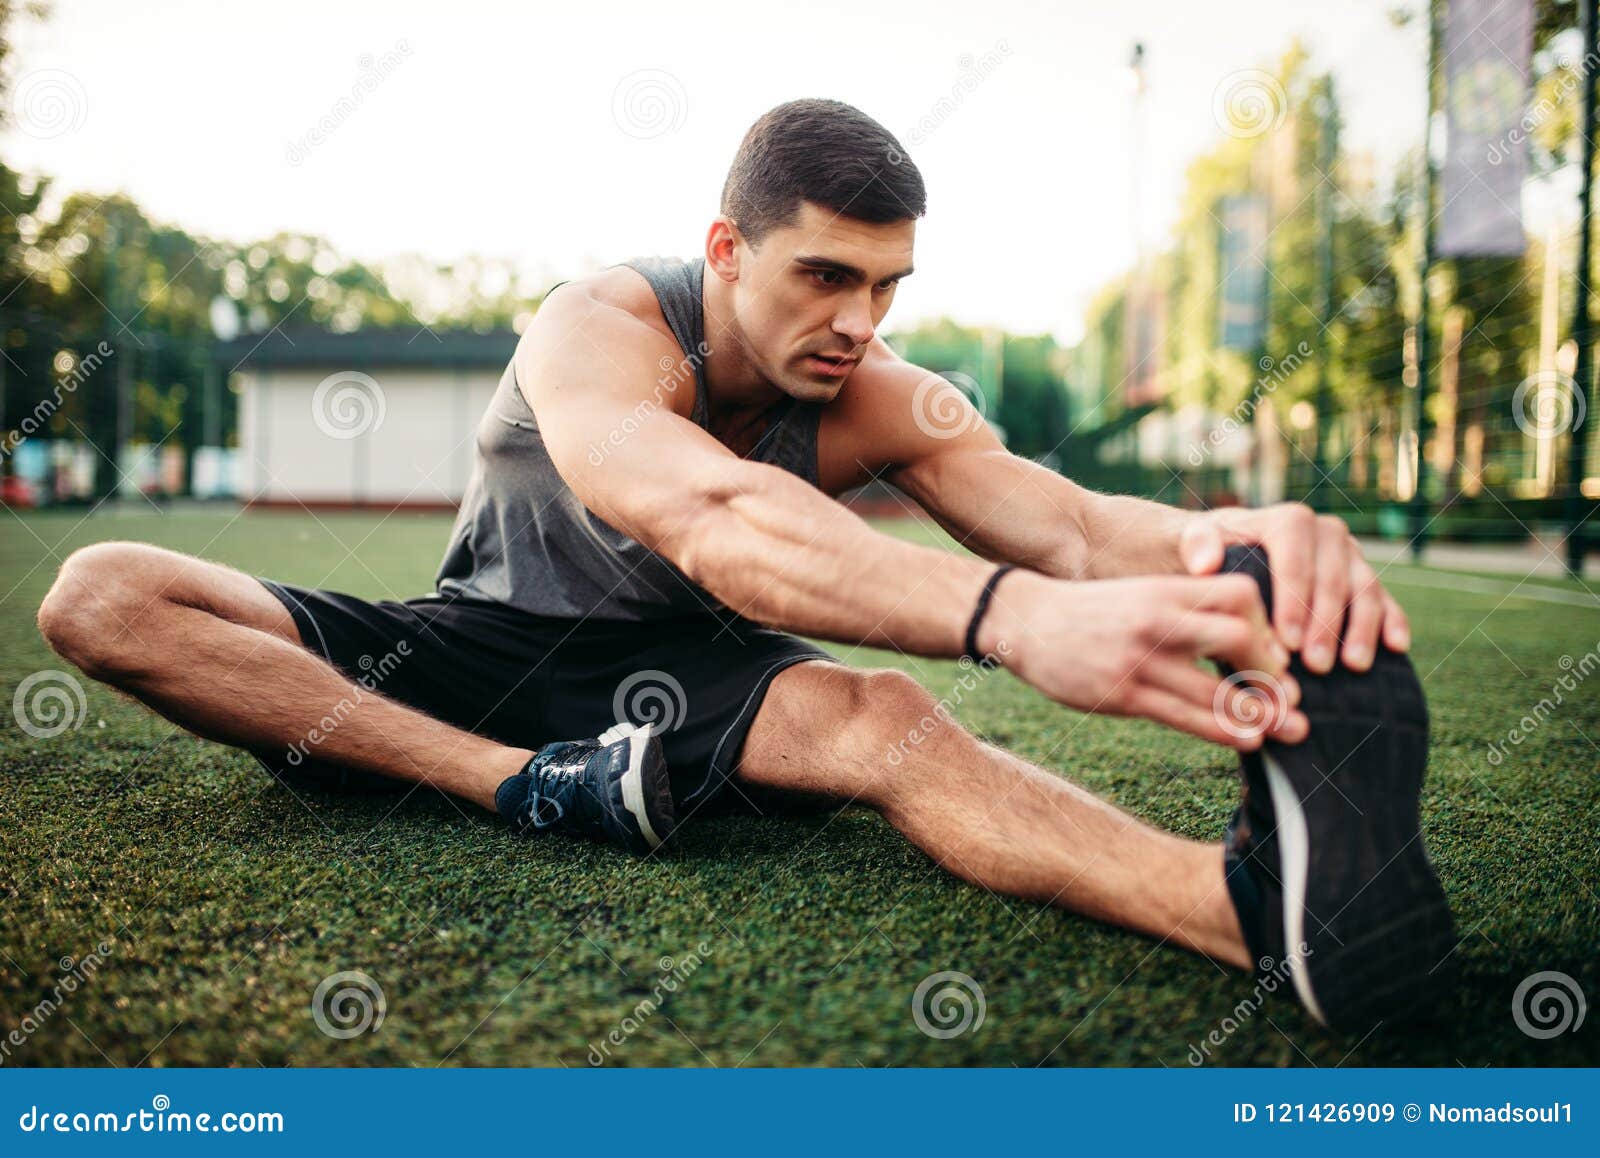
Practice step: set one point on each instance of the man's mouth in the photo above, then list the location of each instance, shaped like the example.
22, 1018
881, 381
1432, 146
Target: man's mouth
836, 366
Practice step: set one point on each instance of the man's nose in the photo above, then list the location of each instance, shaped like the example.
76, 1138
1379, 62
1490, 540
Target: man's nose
854, 322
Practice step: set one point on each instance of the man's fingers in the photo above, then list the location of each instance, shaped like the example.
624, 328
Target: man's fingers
1330, 594
1243, 725
1230, 595
1291, 548
1396, 627
1247, 706
1175, 711
1366, 618
1236, 640
1201, 548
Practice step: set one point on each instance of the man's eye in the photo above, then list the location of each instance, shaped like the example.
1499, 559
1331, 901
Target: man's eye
827, 277
888, 285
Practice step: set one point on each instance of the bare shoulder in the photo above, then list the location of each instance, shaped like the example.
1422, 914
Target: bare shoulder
611, 295
878, 388
605, 330
872, 423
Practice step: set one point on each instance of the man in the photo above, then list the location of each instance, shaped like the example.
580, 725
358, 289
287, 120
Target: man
652, 515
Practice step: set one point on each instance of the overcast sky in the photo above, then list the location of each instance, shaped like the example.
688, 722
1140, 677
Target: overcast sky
584, 133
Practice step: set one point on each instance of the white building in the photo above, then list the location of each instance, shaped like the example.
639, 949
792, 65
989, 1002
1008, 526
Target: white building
381, 418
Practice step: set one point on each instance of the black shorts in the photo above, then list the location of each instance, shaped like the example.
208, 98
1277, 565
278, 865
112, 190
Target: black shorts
527, 680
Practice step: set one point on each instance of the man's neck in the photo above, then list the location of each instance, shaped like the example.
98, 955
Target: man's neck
736, 391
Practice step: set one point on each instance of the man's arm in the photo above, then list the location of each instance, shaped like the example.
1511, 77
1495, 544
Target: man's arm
777, 550
766, 543
1009, 508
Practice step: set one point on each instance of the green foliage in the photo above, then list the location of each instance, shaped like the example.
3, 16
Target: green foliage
102, 270
1375, 244
1020, 378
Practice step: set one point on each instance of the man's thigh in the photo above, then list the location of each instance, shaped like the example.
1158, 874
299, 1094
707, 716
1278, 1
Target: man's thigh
126, 580
473, 665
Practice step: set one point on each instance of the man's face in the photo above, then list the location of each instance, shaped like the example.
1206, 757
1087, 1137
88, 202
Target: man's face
810, 297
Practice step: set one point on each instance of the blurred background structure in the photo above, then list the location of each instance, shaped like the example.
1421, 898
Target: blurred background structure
396, 433
1305, 310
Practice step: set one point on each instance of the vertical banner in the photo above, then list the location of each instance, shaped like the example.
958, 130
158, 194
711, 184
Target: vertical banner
1486, 49
1242, 257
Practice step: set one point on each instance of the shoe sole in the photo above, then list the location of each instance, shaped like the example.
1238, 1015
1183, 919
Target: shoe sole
1373, 916
633, 781
1359, 892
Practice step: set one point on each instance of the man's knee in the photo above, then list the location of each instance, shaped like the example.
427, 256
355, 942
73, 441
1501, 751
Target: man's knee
890, 721
846, 732
91, 613
899, 717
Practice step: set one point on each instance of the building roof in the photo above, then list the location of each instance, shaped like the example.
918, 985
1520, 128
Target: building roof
311, 347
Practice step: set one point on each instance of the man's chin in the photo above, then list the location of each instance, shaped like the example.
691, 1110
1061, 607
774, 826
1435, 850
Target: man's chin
820, 392
812, 387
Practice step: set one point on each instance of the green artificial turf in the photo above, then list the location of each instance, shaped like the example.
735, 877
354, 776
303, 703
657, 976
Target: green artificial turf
223, 899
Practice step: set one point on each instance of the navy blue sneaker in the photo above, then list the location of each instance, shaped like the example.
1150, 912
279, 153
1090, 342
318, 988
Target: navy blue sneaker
1324, 858
612, 788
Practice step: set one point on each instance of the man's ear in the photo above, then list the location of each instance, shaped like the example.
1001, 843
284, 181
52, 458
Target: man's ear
724, 248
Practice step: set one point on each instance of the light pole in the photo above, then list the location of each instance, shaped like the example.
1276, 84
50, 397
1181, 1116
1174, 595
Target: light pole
1419, 458
1577, 449
1133, 321
1327, 150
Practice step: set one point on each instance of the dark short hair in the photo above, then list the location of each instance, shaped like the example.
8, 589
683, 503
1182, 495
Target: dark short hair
825, 152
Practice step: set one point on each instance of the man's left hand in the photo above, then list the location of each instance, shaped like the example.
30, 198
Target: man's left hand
1318, 574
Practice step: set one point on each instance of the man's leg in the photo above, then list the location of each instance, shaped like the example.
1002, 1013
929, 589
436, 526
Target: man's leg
983, 813
211, 649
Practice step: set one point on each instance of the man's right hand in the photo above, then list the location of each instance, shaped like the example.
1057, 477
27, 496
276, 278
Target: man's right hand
1132, 647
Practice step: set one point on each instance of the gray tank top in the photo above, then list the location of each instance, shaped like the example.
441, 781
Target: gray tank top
523, 538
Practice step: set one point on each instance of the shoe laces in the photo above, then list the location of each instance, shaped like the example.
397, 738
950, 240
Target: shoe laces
551, 782
554, 778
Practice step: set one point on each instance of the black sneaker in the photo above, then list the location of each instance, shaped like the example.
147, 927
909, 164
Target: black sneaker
611, 788
1324, 858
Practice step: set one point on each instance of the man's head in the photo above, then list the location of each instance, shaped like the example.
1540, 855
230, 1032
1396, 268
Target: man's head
817, 226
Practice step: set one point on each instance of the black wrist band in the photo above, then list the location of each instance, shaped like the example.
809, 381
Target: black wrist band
971, 651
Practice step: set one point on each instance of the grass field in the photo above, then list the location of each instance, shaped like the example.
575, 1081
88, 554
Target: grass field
222, 899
